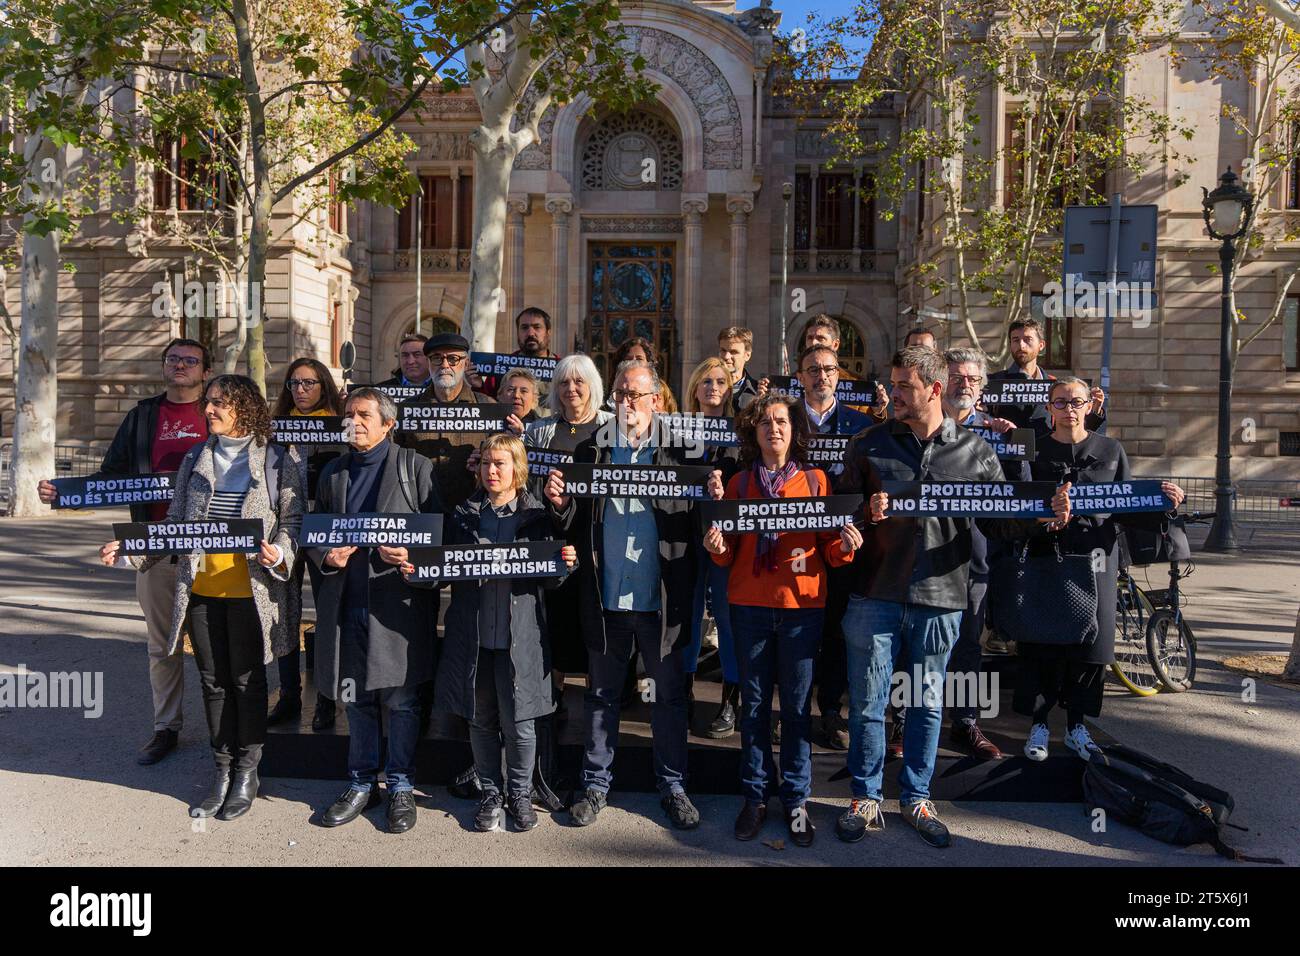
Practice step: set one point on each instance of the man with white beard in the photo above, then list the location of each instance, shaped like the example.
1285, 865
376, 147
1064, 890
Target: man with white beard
448, 451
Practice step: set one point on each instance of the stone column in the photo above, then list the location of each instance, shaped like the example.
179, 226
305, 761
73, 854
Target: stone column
740, 206
693, 210
560, 206
812, 218
517, 208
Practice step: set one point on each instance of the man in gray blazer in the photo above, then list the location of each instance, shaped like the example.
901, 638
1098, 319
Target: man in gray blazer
374, 632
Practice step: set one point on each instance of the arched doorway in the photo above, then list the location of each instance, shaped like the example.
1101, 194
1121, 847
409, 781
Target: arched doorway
433, 324
853, 352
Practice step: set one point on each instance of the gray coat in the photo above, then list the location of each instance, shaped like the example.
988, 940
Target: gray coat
530, 652
403, 619
272, 594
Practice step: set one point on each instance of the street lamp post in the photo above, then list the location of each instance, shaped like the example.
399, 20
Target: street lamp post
1226, 210
787, 190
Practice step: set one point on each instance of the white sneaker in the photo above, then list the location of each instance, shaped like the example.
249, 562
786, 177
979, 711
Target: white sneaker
1081, 742
1036, 745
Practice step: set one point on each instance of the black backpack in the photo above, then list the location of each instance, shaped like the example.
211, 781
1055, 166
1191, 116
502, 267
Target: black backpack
1160, 800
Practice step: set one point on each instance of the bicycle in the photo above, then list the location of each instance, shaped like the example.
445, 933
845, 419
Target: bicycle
1155, 647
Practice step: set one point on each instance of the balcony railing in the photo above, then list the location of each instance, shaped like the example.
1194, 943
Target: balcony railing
833, 260
432, 260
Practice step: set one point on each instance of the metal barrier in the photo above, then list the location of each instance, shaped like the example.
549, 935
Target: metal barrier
1254, 500
70, 461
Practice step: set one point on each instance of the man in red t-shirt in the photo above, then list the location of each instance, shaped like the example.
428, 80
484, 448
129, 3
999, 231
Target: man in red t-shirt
154, 437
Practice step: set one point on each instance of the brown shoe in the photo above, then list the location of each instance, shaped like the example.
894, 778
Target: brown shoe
751, 820
971, 739
894, 747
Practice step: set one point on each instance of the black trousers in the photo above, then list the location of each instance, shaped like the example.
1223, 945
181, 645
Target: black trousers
290, 666
227, 639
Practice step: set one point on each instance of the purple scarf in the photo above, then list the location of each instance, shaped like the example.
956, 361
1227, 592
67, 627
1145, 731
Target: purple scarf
770, 484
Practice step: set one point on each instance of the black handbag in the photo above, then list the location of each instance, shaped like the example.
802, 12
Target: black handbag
1047, 599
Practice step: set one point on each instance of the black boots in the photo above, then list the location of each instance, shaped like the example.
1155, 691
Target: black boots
724, 724
160, 745
323, 719
285, 710
243, 784
216, 794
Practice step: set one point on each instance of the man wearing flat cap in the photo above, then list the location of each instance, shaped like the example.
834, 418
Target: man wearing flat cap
448, 451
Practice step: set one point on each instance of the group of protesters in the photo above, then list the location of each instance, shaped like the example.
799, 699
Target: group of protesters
845, 611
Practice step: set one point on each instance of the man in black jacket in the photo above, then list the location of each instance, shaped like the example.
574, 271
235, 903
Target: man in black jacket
154, 437
637, 560
911, 585
414, 368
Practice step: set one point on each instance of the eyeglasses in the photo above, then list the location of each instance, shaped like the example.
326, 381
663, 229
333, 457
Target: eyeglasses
622, 395
217, 403
176, 361
306, 383
966, 378
816, 370
451, 360
1060, 404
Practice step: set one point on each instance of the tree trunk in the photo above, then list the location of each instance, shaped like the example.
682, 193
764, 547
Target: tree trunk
260, 232
36, 394
1292, 670
495, 149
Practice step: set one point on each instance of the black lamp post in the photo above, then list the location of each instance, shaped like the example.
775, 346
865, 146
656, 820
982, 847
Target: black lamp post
1227, 210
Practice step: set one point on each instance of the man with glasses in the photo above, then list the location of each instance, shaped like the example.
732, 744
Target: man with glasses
636, 559
822, 330
414, 364
819, 374
154, 437
448, 356
1026, 344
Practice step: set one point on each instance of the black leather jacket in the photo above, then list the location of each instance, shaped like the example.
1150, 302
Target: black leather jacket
915, 560
129, 454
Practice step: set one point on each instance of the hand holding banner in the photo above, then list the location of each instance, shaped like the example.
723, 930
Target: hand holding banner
238, 536
778, 515
370, 530
101, 492
637, 481
499, 363
472, 562
455, 417
969, 499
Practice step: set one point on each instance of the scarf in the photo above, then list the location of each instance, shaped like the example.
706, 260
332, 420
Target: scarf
770, 484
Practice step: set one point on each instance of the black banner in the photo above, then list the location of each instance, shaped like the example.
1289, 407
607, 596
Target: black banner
311, 430
704, 429
454, 417
969, 499
97, 492
850, 393
1120, 497
828, 451
543, 459
637, 481
370, 530
486, 562
1017, 391
776, 515
398, 393
1014, 445
495, 363
235, 536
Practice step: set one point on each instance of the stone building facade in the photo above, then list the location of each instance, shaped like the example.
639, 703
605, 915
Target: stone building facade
695, 248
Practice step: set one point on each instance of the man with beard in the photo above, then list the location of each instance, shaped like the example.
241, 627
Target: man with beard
910, 590
533, 335
1027, 343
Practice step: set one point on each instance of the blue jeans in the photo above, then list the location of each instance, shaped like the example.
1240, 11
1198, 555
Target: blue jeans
875, 634
712, 584
365, 733
776, 646
626, 632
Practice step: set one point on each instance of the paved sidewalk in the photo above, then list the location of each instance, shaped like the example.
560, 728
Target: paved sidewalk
73, 794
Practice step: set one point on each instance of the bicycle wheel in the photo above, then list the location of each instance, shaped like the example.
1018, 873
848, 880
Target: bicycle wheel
1132, 666
1171, 648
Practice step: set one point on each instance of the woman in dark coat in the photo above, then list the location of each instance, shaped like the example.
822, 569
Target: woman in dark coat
496, 668
1071, 675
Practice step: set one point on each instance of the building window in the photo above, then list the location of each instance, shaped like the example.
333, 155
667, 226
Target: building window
1020, 139
1056, 332
835, 199
336, 211
617, 149
444, 199
1293, 170
196, 181
1290, 331
338, 332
